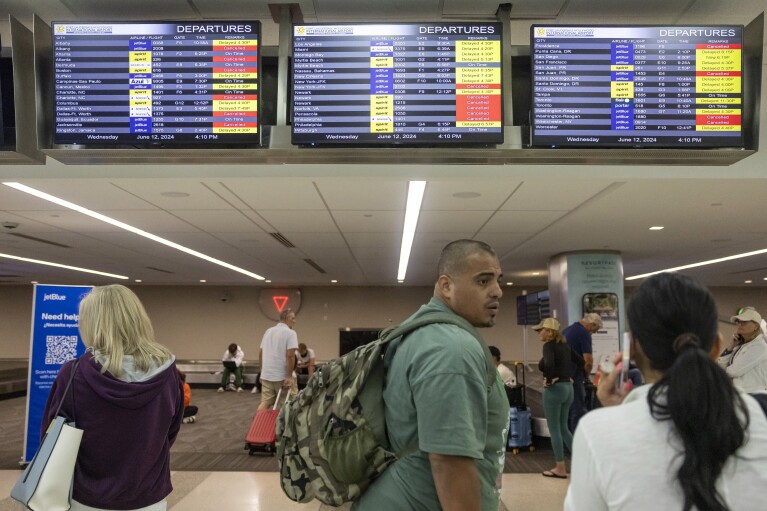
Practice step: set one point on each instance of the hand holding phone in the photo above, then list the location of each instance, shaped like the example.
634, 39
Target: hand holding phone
614, 369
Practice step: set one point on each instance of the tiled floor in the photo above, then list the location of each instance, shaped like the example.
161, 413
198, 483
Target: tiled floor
260, 491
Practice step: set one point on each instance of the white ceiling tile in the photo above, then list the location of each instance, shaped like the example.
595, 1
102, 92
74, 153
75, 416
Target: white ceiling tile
200, 195
275, 193
368, 194
520, 221
447, 221
537, 194
378, 221
219, 221
300, 221
332, 10
492, 193
98, 10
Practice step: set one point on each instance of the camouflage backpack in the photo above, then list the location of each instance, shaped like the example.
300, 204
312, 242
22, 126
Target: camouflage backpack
331, 438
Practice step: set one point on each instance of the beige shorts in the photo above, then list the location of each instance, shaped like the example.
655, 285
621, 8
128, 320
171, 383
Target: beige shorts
269, 390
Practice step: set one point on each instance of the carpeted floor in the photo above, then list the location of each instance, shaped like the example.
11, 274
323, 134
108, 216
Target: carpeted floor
215, 442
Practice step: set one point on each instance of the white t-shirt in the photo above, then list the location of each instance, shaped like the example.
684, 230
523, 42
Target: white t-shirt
624, 459
506, 375
274, 347
305, 359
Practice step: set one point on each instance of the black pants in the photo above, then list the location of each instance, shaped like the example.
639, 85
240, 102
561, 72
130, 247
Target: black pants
189, 411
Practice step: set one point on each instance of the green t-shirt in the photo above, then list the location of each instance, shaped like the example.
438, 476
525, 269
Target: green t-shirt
436, 391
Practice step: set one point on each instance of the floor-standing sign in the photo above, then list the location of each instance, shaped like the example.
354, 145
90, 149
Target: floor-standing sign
55, 339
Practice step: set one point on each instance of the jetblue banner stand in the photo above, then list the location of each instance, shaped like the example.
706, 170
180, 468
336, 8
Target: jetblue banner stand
55, 340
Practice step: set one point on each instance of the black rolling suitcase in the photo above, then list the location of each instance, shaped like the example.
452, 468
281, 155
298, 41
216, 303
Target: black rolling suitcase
516, 393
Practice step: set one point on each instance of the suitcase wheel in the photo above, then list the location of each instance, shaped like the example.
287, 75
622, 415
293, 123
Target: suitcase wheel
515, 451
532, 448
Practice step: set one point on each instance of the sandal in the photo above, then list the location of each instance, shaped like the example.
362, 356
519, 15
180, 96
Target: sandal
549, 473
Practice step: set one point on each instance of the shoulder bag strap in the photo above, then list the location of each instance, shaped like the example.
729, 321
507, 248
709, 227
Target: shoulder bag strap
69, 384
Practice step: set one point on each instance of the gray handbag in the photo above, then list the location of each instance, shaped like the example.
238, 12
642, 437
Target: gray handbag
46, 484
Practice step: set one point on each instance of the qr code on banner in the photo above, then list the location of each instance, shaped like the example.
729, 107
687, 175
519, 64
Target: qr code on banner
60, 348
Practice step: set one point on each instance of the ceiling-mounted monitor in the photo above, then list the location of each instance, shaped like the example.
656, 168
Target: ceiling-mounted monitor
399, 83
154, 84
637, 86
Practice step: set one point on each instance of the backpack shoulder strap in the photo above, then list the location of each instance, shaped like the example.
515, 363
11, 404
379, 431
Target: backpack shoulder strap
431, 318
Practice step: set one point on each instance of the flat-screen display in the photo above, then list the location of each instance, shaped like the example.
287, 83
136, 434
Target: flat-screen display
637, 86
403, 83
146, 83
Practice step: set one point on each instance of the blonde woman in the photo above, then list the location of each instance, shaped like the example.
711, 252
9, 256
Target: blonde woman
128, 399
557, 390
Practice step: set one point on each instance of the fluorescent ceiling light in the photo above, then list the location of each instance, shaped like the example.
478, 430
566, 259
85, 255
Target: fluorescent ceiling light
134, 230
702, 263
414, 198
67, 267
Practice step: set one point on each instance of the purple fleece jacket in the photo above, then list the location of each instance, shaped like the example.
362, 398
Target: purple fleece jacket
124, 458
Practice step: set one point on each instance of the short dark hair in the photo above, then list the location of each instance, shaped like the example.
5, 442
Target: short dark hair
284, 314
233, 348
495, 352
454, 255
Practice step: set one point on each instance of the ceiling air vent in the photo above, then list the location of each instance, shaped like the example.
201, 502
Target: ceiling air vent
158, 269
282, 239
314, 265
39, 240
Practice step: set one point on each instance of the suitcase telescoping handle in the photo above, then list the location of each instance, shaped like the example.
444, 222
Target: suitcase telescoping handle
276, 401
517, 365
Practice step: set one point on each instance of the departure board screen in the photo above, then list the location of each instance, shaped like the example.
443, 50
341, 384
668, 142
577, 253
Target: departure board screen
406, 83
156, 84
637, 86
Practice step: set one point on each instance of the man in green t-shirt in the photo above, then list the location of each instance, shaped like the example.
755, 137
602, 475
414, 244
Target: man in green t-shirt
437, 393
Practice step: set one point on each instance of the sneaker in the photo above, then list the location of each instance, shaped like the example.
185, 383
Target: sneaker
192, 419
187, 420
220, 389
239, 389
255, 389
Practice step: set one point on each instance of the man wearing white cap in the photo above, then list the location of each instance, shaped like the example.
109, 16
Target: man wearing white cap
745, 359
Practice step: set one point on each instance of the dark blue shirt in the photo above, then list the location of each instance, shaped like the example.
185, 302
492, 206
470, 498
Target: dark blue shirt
579, 340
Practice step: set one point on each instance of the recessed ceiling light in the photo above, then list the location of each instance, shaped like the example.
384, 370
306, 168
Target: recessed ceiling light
203, 280
748, 282
536, 273
509, 283
656, 228
138, 280
765, 278
401, 281
35, 282
467, 195
175, 195
368, 215
268, 281
334, 281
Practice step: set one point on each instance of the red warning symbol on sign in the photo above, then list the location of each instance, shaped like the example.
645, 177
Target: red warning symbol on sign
279, 302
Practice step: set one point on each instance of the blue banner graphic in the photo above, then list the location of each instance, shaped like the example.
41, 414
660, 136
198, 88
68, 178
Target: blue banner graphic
55, 340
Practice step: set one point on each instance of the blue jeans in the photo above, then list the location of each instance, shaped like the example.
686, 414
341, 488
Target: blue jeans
578, 408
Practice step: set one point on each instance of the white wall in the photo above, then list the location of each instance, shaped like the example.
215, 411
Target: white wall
195, 324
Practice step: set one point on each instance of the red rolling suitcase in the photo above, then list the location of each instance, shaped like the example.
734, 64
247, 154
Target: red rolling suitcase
261, 437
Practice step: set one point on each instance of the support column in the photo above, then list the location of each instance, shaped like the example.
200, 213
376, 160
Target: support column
590, 281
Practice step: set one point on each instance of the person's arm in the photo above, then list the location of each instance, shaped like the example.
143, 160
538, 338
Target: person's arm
457, 482
261, 360
175, 424
238, 357
746, 359
311, 365
588, 364
291, 366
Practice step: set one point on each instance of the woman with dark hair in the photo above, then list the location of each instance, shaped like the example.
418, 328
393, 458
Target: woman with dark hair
686, 440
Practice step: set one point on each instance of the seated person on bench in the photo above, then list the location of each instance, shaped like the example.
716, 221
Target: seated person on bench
304, 360
232, 361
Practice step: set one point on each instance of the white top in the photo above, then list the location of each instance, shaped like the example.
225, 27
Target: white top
506, 375
623, 459
274, 350
747, 365
305, 359
236, 358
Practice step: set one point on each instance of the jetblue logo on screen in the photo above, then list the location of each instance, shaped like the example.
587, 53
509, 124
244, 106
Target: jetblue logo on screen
54, 296
84, 29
